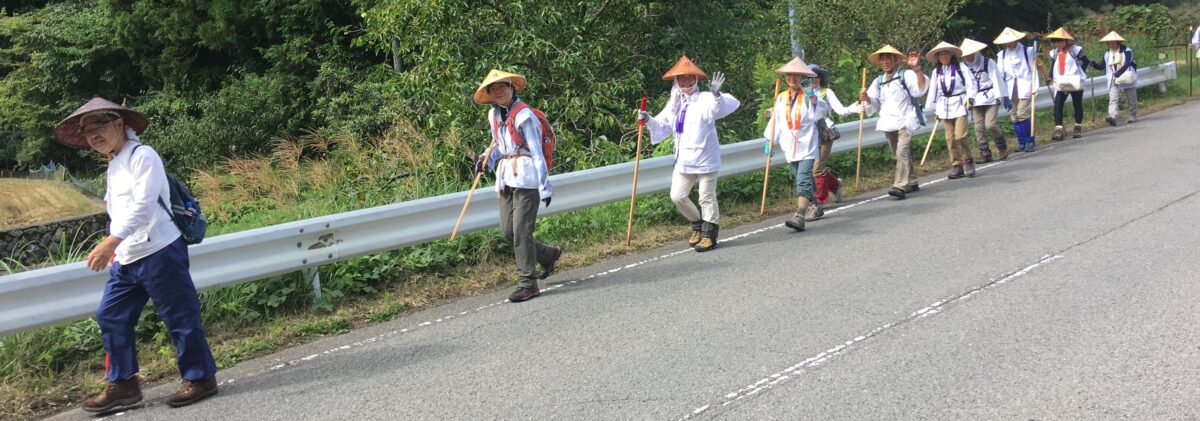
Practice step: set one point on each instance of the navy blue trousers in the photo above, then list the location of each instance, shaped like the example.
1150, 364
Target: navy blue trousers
164, 278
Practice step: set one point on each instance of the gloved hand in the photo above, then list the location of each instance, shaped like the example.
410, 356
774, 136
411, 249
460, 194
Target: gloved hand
767, 112
546, 201
970, 104
714, 85
643, 116
480, 163
1007, 104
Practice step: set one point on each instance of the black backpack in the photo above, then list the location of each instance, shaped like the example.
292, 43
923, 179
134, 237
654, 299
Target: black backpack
184, 210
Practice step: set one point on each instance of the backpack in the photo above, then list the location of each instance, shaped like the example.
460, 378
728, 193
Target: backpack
548, 136
915, 102
184, 210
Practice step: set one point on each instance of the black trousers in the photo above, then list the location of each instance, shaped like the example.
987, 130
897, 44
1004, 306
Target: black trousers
1060, 100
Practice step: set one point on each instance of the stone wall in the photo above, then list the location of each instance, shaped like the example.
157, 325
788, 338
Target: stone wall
33, 245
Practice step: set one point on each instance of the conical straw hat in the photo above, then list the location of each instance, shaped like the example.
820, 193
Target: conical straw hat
1060, 33
70, 133
943, 46
796, 66
684, 67
1009, 35
887, 49
481, 94
1112, 36
970, 46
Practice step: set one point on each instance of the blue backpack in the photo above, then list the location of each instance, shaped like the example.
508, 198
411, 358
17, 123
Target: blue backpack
184, 210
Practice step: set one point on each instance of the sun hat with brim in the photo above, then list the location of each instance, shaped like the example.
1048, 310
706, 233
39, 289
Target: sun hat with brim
70, 132
1060, 33
1112, 37
685, 67
796, 66
1009, 35
943, 46
887, 49
481, 94
970, 46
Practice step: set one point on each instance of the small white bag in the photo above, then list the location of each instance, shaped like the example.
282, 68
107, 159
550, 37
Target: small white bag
1127, 78
1068, 83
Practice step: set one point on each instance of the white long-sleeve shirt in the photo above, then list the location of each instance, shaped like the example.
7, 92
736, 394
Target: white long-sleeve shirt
523, 167
1196, 37
949, 90
135, 183
796, 134
1017, 67
887, 96
835, 105
988, 89
697, 149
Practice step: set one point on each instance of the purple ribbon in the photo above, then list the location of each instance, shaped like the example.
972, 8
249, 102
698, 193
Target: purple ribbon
953, 79
679, 121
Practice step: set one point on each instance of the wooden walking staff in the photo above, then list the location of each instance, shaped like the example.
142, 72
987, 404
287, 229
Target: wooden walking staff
930, 143
770, 149
862, 112
637, 160
474, 184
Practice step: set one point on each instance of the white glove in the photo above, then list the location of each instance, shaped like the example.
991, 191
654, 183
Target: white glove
643, 116
714, 85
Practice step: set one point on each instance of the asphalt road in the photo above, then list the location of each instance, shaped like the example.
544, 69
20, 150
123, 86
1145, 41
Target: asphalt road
1055, 285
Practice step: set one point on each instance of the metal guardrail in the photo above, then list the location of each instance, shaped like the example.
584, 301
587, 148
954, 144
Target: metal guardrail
71, 291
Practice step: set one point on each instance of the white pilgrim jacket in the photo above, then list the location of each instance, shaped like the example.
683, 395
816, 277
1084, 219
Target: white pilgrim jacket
1017, 66
799, 143
835, 105
988, 90
1070, 62
697, 149
527, 171
135, 183
1114, 61
948, 92
887, 97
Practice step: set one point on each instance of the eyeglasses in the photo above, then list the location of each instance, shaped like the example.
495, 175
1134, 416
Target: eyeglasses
94, 128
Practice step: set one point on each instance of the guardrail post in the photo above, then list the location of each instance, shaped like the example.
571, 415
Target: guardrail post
314, 276
1162, 87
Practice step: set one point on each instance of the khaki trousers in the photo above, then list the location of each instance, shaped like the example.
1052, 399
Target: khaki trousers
681, 188
956, 140
985, 122
518, 217
819, 167
898, 141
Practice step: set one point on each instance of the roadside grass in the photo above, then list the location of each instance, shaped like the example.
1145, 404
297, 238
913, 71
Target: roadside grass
28, 202
48, 369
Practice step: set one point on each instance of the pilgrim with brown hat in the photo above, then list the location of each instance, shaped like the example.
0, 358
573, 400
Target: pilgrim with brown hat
893, 94
1121, 70
950, 98
1068, 70
146, 258
793, 126
522, 176
690, 117
986, 103
1018, 79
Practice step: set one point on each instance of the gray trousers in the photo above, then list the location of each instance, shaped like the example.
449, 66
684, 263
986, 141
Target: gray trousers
985, 122
1114, 101
518, 217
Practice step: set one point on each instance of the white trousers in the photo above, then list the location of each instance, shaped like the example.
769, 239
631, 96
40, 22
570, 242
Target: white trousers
681, 187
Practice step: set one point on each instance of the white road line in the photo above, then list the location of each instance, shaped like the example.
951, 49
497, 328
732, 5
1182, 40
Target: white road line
786, 374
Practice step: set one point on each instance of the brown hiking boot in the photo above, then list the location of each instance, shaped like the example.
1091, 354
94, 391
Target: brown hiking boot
708, 237
1003, 155
191, 392
548, 267
117, 396
813, 212
524, 294
696, 233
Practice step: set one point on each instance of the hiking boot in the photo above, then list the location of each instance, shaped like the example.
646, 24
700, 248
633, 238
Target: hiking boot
1029, 147
1078, 132
548, 267
837, 193
897, 192
955, 173
913, 188
1003, 155
524, 294
1111, 121
797, 221
191, 392
985, 158
1131, 120
708, 237
813, 212
117, 396
696, 235
970, 167
1058, 134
